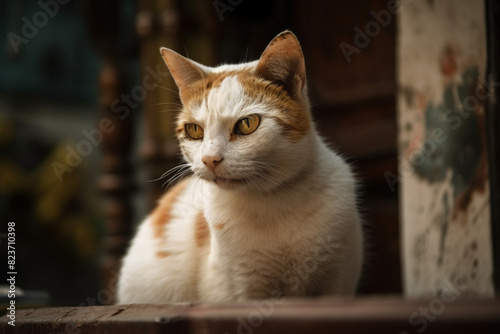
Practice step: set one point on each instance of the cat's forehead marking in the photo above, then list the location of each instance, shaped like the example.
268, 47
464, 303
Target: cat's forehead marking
196, 104
201, 88
225, 100
231, 94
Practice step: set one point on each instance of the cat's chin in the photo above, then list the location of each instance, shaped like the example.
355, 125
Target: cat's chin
229, 183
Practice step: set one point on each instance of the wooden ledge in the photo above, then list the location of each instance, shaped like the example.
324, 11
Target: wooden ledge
364, 315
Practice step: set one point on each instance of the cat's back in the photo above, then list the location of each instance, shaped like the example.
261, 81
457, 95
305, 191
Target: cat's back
163, 259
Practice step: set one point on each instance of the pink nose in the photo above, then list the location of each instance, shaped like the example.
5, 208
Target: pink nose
211, 161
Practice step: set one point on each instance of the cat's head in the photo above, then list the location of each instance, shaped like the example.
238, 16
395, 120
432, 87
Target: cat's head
245, 126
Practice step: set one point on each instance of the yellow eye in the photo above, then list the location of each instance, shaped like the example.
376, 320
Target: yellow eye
247, 125
194, 131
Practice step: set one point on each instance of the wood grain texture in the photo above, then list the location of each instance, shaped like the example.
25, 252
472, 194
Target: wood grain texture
387, 315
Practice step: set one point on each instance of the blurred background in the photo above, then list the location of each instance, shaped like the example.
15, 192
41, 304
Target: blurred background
85, 122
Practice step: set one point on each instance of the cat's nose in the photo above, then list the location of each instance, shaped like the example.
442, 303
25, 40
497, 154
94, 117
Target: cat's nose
211, 161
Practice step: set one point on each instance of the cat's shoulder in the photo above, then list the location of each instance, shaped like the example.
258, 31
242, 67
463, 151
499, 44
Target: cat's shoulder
161, 215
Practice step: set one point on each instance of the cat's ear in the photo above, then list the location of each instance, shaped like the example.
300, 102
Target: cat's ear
282, 62
184, 71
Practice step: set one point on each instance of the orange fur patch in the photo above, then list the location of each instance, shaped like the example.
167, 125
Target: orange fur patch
162, 214
201, 232
162, 254
219, 226
196, 93
293, 114
199, 90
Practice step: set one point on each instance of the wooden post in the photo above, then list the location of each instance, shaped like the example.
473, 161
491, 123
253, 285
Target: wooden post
493, 126
116, 182
444, 158
157, 25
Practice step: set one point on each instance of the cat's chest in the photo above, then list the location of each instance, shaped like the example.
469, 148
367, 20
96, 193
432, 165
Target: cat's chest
287, 210
256, 245
258, 250
265, 268
277, 223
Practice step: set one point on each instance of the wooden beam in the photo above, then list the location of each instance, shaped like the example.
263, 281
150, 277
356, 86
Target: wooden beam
328, 315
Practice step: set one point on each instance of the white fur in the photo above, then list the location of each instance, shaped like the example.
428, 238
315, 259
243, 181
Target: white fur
292, 229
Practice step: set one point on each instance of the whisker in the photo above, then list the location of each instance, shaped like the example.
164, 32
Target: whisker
177, 176
170, 171
174, 103
170, 110
169, 89
263, 178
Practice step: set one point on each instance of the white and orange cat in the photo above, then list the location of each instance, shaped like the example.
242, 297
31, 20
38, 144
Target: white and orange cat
270, 210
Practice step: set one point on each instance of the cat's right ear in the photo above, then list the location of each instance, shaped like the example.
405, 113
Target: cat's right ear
184, 71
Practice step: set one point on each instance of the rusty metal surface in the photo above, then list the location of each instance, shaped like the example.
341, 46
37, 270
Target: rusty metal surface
373, 315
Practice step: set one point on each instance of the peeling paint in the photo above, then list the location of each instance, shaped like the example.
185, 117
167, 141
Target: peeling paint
454, 137
445, 196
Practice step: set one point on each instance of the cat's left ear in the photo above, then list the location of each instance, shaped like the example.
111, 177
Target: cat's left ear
282, 62
184, 71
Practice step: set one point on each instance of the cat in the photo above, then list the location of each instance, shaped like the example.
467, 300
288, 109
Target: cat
270, 210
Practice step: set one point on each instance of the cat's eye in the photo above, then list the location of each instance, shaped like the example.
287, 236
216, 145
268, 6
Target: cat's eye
194, 131
247, 125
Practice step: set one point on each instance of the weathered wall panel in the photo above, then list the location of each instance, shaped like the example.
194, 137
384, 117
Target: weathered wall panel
443, 166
